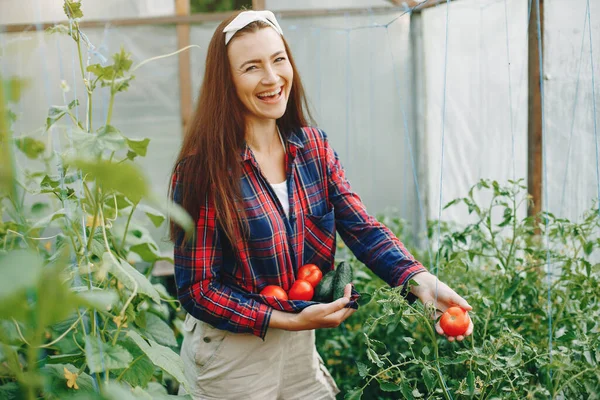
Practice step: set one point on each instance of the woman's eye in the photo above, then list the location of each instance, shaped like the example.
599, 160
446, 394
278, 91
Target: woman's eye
279, 59
250, 68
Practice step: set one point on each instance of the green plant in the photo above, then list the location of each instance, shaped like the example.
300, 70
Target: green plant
534, 287
77, 318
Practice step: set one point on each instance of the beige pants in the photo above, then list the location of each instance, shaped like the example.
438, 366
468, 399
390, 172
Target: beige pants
224, 365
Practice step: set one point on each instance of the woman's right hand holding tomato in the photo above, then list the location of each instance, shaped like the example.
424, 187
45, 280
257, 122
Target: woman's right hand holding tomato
327, 315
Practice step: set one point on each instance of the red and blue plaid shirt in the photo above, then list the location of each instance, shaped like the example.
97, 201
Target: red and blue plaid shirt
222, 289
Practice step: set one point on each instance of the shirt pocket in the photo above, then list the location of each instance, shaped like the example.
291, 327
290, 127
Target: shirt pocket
206, 341
319, 239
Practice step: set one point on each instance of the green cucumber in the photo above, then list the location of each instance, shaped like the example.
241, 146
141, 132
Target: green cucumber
343, 276
324, 290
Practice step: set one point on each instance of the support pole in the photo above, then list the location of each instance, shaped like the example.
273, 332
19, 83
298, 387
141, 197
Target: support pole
534, 128
258, 5
182, 8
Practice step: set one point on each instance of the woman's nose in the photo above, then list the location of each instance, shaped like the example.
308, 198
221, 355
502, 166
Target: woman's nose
270, 76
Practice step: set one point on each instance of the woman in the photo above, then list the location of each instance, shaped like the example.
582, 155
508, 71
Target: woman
267, 193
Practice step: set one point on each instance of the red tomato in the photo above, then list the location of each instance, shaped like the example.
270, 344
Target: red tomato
301, 290
455, 321
275, 291
310, 273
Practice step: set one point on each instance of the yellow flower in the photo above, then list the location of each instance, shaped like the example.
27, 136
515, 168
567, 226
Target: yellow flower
48, 246
120, 321
89, 220
71, 379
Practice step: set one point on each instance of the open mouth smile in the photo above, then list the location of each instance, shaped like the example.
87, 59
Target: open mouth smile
272, 96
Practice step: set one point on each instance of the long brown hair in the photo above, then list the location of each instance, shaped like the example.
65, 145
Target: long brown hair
209, 163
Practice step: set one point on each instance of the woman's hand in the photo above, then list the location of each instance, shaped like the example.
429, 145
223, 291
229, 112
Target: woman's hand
428, 287
328, 315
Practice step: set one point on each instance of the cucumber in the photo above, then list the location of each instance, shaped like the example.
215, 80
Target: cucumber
324, 290
343, 276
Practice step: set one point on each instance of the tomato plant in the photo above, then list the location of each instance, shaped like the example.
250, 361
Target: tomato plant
310, 273
301, 290
455, 321
275, 291
533, 284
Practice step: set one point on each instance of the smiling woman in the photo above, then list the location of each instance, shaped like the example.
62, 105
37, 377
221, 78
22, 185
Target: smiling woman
268, 194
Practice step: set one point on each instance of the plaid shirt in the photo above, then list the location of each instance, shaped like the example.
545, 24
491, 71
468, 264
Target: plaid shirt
221, 289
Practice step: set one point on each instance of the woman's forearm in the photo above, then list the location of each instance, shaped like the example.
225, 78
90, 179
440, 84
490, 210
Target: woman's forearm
283, 320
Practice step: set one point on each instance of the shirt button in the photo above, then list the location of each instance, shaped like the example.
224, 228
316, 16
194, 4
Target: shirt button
206, 339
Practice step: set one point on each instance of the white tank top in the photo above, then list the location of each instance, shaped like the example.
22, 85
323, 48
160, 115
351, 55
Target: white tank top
281, 189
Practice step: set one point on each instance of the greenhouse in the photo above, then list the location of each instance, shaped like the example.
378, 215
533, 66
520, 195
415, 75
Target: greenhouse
314, 224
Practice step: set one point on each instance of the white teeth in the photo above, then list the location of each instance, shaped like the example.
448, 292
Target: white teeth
267, 94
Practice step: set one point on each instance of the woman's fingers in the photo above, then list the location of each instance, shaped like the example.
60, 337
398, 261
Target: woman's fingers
462, 303
470, 328
339, 316
348, 290
439, 329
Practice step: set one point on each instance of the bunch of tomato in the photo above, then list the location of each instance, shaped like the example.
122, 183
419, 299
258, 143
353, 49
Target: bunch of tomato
309, 276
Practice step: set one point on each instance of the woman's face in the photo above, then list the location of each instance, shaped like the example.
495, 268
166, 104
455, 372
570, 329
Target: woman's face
261, 72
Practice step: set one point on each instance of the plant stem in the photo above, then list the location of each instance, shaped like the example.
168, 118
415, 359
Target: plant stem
436, 353
97, 205
127, 226
560, 388
111, 102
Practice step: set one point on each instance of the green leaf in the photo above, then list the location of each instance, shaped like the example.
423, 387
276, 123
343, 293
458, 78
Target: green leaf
159, 331
57, 381
389, 386
426, 350
155, 216
147, 251
72, 9
428, 378
20, 271
60, 29
117, 391
57, 112
163, 357
138, 146
10, 391
374, 358
140, 371
470, 383
130, 276
98, 299
45, 222
102, 356
406, 391
125, 178
31, 147
364, 299
65, 358
363, 370
511, 289
122, 61
93, 144
122, 202
175, 212
105, 74
131, 155
451, 203
588, 248
354, 394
